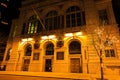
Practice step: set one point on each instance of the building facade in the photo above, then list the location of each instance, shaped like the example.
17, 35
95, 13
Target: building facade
65, 36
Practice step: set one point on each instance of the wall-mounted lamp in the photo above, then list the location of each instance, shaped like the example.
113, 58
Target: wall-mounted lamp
48, 37
27, 39
73, 34
68, 34
44, 37
51, 36
78, 34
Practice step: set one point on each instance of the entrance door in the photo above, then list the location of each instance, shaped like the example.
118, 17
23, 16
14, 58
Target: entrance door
26, 64
48, 65
75, 65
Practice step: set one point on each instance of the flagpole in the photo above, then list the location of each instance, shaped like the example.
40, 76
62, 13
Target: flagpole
38, 18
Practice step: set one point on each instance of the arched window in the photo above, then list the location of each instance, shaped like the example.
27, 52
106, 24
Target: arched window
50, 49
74, 47
52, 21
33, 24
8, 54
28, 50
75, 17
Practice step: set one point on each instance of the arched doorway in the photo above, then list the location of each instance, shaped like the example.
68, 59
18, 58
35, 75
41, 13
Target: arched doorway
75, 57
49, 54
26, 58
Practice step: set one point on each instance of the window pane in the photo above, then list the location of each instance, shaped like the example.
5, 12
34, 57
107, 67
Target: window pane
75, 48
107, 53
75, 17
112, 53
33, 24
52, 21
28, 50
50, 49
83, 18
73, 20
8, 54
103, 17
68, 21
62, 22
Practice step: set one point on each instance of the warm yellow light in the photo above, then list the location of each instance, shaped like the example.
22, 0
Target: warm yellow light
3, 4
27, 39
51, 36
44, 37
69, 34
3, 22
23, 40
78, 33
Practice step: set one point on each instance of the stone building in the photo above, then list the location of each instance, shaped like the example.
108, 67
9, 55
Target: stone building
75, 39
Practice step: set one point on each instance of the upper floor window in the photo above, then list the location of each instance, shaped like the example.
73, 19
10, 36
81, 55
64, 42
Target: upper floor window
75, 17
33, 24
109, 53
103, 17
75, 47
52, 20
50, 49
28, 50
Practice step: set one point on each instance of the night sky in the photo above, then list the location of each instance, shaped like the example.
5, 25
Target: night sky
9, 13
12, 12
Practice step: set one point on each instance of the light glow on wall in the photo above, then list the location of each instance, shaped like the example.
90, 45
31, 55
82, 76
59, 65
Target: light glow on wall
72, 35
44, 37
68, 34
27, 39
30, 39
48, 37
51, 36
78, 34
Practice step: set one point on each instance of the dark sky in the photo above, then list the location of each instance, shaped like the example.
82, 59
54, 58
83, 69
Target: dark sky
12, 12
9, 13
116, 8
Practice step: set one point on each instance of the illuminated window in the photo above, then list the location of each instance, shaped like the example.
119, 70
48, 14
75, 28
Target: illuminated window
28, 50
50, 49
75, 17
103, 17
75, 47
33, 25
